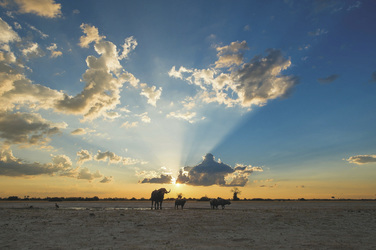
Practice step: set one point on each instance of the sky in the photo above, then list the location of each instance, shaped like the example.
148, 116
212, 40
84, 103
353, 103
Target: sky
118, 98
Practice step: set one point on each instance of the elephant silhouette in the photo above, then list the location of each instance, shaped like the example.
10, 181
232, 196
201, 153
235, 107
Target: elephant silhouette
157, 198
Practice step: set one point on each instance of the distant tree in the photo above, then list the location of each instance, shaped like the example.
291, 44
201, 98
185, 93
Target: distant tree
235, 192
180, 195
204, 198
13, 198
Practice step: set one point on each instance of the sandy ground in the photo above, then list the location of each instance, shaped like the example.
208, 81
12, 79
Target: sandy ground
243, 225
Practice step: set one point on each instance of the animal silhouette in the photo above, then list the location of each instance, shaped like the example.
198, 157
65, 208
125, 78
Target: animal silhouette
157, 197
180, 202
214, 203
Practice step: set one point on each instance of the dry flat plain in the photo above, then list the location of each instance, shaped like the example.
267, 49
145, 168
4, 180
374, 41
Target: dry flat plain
242, 225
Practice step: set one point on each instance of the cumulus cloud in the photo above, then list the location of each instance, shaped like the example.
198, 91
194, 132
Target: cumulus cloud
26, 128
42, 35
84, 156
162, 179
79, 131
211, 172
144, 117
328, 79
114, 158
260, 80
43, 8
128, 125
7, 34
110, 156
54, 52
85, 174
106, 179
16, 89
362, 159
91, 35
32, 50
230, 55
12, 166
232, 82
103, 79
178, 73
130, 44
188, 116
152, 93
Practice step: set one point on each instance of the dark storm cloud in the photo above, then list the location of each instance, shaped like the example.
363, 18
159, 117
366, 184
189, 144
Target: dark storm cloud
165, 179
328, 79
210, 172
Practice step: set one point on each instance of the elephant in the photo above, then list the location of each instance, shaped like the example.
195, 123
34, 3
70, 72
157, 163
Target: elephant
214, 203
180, 202
157, 198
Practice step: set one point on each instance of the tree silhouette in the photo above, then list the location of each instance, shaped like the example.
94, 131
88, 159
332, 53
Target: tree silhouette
235, 192
180, 195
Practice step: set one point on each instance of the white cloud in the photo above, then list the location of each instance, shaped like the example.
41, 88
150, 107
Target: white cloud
178, 73
260, 80
188, 116
110, 156
91, 35
54, 53
130, 44
79, 131
230, 55
7, 34
152, 93
362, 159
42, 35
32, 50
83, 156
144, 117
104, 79
44, 8
128, 125
253, 83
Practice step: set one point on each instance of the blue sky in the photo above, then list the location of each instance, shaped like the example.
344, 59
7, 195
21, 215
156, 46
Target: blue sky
116, 98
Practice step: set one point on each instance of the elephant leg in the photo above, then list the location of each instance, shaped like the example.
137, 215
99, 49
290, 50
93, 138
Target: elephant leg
160, 206
152, 205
